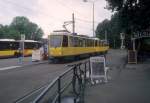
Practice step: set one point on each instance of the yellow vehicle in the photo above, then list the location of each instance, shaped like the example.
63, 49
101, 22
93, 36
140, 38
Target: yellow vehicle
64, 44
10, 47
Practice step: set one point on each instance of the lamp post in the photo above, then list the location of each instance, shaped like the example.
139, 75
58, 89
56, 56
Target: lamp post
93, 6
122, 37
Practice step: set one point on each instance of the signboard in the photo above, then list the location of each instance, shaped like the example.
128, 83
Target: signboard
97, 67
132, 57
122, 36
36, 55
22, 37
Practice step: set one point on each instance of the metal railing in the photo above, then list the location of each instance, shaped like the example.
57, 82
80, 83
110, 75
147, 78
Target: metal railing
70, 84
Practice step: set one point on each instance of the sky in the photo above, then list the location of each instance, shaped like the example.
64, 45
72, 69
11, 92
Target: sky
51, 14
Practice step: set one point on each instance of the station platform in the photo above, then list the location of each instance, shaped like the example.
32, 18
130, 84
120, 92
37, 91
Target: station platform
128, 83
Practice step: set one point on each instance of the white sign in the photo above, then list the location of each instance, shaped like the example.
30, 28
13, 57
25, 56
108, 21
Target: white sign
97, 66
36, 55
122, 36
23, 37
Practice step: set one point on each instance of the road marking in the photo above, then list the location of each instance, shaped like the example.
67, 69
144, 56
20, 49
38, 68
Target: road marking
10, 67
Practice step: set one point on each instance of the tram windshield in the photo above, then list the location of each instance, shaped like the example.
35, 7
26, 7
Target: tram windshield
55, 40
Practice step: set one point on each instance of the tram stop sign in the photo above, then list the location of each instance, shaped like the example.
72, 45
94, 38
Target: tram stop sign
22, 37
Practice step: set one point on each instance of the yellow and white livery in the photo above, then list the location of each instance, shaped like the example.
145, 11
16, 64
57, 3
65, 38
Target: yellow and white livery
64, 44
10, 47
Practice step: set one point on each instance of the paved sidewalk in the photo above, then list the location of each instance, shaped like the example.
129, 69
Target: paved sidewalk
128, 84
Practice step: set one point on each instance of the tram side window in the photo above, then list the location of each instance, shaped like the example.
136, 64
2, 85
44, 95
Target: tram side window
80, 43
93, 43
84, 43
96, 43
100, 43
65, 41
76, 42
30, 45
88, 42
71, 43
14, 45
4, 46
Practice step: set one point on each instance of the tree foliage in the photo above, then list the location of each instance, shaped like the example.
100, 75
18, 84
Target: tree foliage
134, 13
130, 16
111, 28
21, 25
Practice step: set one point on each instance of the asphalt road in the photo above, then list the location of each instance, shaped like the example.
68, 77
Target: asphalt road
17, 82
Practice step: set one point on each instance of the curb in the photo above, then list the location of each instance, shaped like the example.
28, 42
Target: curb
25, 65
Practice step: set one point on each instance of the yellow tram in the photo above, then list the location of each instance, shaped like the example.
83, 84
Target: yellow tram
10, 47
64, 44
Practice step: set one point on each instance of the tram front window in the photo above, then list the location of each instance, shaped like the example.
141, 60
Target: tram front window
55, 41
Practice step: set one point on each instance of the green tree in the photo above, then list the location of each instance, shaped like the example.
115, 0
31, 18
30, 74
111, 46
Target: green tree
24, 26
112, 28
21, 25
134, 14
102, 28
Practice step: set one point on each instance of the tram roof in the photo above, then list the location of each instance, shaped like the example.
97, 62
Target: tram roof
68, 34
7, 39
95, 38
28, 41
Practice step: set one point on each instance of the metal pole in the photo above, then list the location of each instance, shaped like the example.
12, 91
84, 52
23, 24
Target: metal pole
23, 49
105, 35
73, 24
133, 44
85, 71
59, 90
93, 20
114, 43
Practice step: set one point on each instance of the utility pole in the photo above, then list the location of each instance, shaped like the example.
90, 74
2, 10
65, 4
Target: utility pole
133, 39
105, 35
93, 21
73, 24
114, 43
122, 37
68, 23
93, 6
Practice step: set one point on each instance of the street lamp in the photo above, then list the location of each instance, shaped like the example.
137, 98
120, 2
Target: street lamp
122, 37
93, 5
